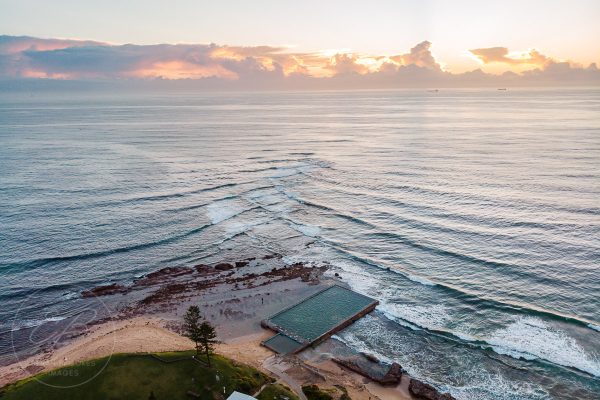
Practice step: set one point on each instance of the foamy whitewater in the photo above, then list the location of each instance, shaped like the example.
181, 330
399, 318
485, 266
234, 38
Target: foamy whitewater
472, 215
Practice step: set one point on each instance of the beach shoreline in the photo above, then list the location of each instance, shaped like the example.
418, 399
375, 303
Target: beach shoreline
235, 297
149, 334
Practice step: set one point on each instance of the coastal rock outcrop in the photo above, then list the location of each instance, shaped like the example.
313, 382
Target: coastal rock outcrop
105, 290
370, 357
223, 266
202, 268
391, 378
162, 275
422, 390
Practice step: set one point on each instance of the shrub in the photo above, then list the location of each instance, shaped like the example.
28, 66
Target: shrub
312, 392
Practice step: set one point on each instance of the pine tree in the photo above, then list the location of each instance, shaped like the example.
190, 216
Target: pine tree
192, 327
208, 339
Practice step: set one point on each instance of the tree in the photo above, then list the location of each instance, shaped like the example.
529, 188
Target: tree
192, 323
200, 331
208, 339
152, 396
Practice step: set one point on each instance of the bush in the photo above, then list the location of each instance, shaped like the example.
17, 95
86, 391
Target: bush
312, 392
246, 384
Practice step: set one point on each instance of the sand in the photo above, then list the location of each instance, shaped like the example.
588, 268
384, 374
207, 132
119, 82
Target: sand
142, 334
234, 299
149, 334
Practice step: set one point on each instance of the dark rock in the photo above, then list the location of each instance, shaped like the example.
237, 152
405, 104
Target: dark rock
393, 376
223, 266
162, 276
169, 272
422, 390
270, 256
164, 293
370, 357
240, 264
202, 268
105, 290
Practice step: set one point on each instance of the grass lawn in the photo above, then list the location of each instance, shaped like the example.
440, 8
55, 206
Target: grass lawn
276, 392
132, 376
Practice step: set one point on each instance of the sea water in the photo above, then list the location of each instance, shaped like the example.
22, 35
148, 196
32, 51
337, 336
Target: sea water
473, 216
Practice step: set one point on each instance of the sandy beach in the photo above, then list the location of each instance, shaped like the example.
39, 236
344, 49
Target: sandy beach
149, 334
235, 297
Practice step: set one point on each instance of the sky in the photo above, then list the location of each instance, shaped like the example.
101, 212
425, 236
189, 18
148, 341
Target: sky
461, 35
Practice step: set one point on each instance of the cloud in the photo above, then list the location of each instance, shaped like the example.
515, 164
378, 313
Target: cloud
420, 55
346, 64
17, 44
502, 55
269, 67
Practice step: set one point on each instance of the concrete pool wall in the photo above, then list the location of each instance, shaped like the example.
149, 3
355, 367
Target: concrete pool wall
316, 318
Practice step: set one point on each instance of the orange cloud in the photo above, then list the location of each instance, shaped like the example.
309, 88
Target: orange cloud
345, 64
502, 55
420, 55
268, 66
182, 70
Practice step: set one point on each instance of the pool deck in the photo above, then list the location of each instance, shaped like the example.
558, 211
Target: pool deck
289, 322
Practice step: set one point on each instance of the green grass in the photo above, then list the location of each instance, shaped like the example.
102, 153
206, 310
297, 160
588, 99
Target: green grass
132, 376
276, 392
312, 392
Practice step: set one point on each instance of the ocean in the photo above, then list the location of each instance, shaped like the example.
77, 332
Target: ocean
473, 216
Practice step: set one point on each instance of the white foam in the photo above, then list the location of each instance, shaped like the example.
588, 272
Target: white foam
513, 353
284, 172
420, 279
359, 279
350, 339
430, 317
530, 337
485, 385
32, 323
464, 336
305, 229
222, 210
479, 383
71, 295
594, 327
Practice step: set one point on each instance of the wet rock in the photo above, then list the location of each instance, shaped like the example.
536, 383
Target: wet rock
270, 256
370, 357
202, 268
105, 290
422, 390
169, 272
393, 376
164, 293
223, 266
162, 275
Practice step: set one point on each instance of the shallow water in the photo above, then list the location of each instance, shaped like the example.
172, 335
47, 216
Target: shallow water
472, 215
